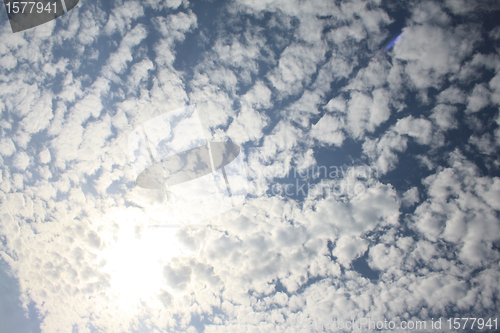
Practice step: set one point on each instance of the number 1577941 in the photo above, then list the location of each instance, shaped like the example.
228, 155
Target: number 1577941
31, 7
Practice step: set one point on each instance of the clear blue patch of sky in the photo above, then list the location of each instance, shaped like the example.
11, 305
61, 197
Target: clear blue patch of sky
12, 315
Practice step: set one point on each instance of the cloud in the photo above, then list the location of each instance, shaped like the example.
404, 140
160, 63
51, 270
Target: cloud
444, 116
295, 66
39, 118
177, 278
366, 112
420, 129
384, 150
329, 130
21, 161
411, 197
383, 257
247, 126
348, 248
304, 108
117, 61
485, 144
7, 147
296, 85
122, 17
478, 99
452, 95
441, 216
431, 52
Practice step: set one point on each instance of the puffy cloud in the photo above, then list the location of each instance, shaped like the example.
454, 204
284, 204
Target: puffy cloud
420, 129
329, 130
384, 150
122, 17
494, 85
410, 197
296, 85
431, 52
444, 116
40, 116
295, 66
466, 218
366, 113
478, 99
305, 108
347, 249
21, 160
247, 126
259, 96
452, 95
7, 147
485, 144
383, 257
118, 61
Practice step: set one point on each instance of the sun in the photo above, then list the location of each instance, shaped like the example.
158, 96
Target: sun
135, 255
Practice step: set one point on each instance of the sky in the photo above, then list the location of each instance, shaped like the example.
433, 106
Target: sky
367, 175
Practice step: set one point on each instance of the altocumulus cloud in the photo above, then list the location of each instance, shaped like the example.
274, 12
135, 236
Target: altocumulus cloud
297, 85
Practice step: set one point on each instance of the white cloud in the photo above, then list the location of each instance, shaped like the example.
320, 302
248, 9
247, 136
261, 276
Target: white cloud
452, 95
485, 143
40, 116
349, 248
242, 54
478, 99
259, 96
444, 116
430, 13
140, 72
432, 52
122, 17
159, 4
369, 78
454, 211
8, 61
88, 28
304, 108
44, 156
295, 66
328, 130
247, 126
7, 147
118, 61
83, 241
460, 6
366, 113
21, 160
174, 27
420, 129
384, 150
383, 257
495, 87
410, 197
336, 104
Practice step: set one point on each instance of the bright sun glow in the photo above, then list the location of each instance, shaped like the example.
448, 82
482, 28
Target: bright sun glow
135, 257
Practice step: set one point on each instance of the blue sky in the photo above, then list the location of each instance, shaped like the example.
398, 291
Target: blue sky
404, 225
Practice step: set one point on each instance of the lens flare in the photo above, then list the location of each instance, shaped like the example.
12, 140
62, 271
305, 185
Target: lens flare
393, 42
389, 46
